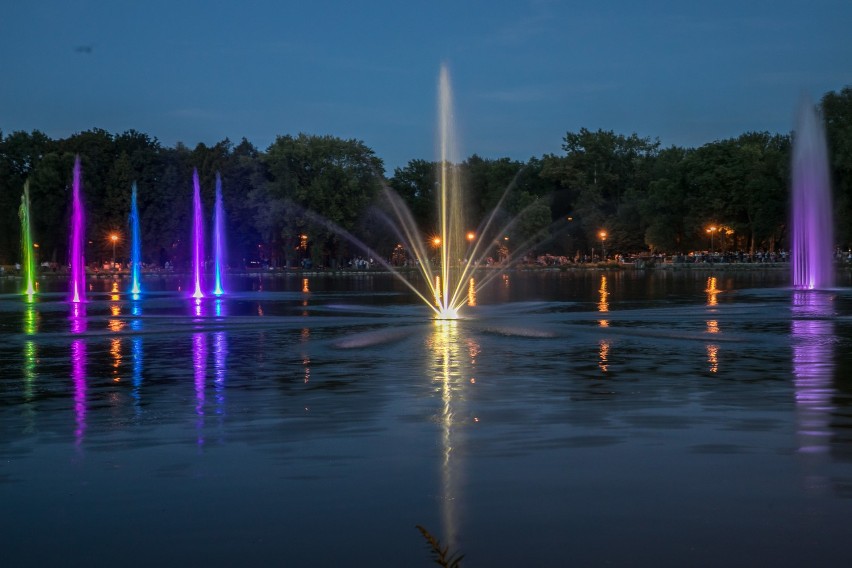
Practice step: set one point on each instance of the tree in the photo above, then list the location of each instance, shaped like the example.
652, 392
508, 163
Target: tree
327, 177
837, 112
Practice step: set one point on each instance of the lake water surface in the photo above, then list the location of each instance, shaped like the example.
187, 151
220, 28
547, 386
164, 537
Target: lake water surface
590, 418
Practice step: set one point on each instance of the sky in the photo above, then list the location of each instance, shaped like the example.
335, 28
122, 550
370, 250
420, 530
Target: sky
523, 73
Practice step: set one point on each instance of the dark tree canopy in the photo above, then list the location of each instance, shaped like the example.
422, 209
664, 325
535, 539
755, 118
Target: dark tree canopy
300, 196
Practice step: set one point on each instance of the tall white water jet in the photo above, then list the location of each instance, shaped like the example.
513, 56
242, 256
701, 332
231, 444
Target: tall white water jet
811, 220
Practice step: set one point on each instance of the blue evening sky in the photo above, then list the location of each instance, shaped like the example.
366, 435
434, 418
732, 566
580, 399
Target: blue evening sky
523, 72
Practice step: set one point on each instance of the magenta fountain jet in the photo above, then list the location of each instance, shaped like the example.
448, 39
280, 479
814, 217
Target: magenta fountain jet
78, 264
198, 236
811, 219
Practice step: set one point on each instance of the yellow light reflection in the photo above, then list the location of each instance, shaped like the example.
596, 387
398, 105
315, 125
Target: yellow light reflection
306, 287
115, 311
603, 302
713, 357
115, 352
603, 354
471, 293
712, 290
451, 374
712, 326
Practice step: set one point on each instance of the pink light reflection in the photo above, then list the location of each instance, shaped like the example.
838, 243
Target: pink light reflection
78, 376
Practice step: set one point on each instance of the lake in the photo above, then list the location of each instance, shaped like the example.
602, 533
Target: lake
586, 418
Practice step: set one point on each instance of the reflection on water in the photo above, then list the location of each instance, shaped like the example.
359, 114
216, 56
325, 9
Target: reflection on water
115, 354
304, 338
449, 373
813, 368
199, 365
136, 393
220, 369
78, 318
78, 376
544, 427
712, 291
603, 307
30, 351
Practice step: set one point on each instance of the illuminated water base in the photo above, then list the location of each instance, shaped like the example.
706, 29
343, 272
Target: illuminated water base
78, 264
27, 253
197, 236
811, 217
135, 246
218, 239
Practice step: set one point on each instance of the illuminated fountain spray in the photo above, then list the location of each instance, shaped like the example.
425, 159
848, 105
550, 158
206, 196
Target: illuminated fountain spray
811, 218
78, 265
27, 253
135, 246
197, 236
449, 281
218, 238
448, 269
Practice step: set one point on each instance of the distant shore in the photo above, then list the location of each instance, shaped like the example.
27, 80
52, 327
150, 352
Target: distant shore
9, 272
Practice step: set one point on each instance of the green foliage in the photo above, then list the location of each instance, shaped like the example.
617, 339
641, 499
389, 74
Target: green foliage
837, 112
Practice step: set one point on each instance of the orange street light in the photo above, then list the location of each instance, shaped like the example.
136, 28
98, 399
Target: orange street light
436, 241
114, 238
712, 230
471, 236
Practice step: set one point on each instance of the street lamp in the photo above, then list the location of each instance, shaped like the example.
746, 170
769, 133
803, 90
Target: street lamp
712, 230
602, 235
114, 238
471, 236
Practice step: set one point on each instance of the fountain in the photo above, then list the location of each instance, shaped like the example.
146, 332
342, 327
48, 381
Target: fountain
811, 219
218, 238
458, 254
135, 246
78, 264
28, 264
198, 236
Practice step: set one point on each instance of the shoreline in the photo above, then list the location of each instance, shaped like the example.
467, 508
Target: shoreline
290, 272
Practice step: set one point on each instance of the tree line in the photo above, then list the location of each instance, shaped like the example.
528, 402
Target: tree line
307, 195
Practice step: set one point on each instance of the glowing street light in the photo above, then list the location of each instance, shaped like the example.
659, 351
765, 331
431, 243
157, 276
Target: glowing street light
711, 231
114, 238
471, 236
436, 241
602, 235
